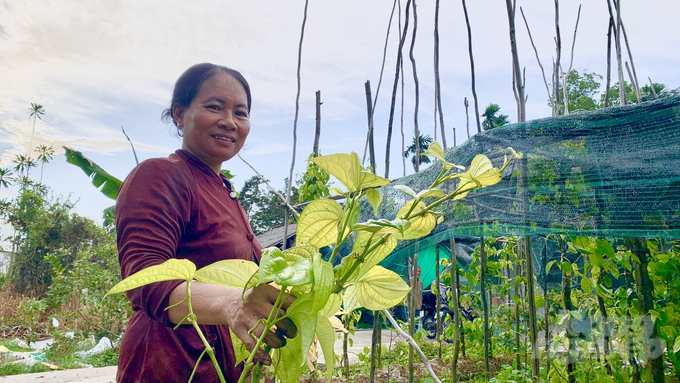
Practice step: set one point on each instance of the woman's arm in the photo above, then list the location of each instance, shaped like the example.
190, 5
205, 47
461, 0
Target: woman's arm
215, 305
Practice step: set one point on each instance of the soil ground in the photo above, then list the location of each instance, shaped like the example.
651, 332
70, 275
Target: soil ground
108, 374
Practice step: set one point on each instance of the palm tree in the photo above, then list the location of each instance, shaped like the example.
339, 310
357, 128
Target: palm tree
45, 154
23, 164
6, 178
424, 142
36, 111
491, 120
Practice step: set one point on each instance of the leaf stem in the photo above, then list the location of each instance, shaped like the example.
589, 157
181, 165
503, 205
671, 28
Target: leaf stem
360, 260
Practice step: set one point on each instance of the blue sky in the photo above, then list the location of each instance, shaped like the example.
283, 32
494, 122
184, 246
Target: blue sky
101, 64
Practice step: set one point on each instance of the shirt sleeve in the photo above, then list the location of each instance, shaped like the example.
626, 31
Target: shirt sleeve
152, 209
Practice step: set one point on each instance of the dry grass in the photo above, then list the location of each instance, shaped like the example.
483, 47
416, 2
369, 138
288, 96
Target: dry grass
9, 301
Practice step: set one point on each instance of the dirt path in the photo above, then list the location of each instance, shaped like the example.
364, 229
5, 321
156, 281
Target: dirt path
361, 339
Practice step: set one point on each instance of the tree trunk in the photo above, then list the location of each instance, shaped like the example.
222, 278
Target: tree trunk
472, 69
416, 131
369, 110
653, 347
375, 344
317, 134
402, 39
455, 306
617, 44
519, 83
485, 305
467, 118
609, 62
568, 308
437, 82
556, 68
345, 354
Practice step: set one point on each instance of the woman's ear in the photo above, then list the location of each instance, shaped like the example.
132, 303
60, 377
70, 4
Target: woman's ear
178, 115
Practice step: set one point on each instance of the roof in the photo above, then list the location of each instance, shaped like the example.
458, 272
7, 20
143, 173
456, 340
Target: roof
274, 237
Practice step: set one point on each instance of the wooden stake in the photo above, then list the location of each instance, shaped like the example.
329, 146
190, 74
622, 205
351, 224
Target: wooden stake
472, 69
369, 108
317, 134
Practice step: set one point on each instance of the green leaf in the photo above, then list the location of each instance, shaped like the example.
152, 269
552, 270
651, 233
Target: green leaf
230, 272
383, 226
300, 312
381, 289
288, 361
274, 267
420, 226
109, 184
375, 199
323, 282
586, 285
318, 223
350, 302
240, 351
348, 170
299, 252
539, 301
326, 336
481, 174
434, 192
566, 267
435, 150
336, 191
374, 257
170, 270
549, 266
332, 306
407, 190
676, 346
576, 314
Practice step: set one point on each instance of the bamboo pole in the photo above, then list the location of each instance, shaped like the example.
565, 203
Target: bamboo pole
519, 84
416, 84
437, 82
472, 68
398, 70
609, 62
317, 133
617, 44
556, 65
369, 109
295, 121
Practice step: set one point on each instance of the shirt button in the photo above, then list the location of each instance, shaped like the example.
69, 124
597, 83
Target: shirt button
250, 236
232, 194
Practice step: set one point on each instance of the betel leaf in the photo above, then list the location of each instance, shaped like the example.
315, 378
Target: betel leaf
375, 199
434, 192
539, 301
481, 174
349, 299
374, 257
230, 272
301, 251
586, 285
274, 267
300, 312
332, 305
435, 150
348, 170
172, 269
383, 226
105, 182
420, 226
318, 223
406, 190
240, 351
323, 282
326, 336
288, 361
381, 289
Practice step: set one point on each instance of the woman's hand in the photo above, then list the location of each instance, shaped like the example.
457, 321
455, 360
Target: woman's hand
215, 304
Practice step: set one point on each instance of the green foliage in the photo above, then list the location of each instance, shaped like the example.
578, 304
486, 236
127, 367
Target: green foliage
424, 142
314, 182
491, 120
357, 282
108, 184
264, 208
582, 89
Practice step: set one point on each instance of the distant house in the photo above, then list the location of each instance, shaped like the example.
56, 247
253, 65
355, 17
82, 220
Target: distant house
274, 237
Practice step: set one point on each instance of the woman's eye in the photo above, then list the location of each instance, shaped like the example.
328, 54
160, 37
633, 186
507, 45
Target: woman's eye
241, 113
213, 107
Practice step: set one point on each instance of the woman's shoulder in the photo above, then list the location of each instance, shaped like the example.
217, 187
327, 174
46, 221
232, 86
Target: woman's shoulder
172, 169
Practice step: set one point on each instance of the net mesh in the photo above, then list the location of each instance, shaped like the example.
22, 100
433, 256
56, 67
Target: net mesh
609, 173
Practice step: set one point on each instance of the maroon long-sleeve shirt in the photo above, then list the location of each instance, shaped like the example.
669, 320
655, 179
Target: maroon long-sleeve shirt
175, 207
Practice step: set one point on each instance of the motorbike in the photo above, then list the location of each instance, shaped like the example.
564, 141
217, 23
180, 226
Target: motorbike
430, 314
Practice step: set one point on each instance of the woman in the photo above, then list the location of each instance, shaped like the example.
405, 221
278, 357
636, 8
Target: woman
182, 207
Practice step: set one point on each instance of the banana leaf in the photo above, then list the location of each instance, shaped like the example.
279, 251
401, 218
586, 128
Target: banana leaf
106, 183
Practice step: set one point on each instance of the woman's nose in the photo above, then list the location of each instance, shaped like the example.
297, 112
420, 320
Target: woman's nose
227, 121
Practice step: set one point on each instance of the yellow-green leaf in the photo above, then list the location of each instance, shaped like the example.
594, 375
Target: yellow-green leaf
326, 336
288, 361
336, 191
300, 312
434, 192
435, 150
332, 305
323, 282
381, 289
406, 190
170, 270
240, 351
374, 257
230, 272
348, 170
539, 301
298, 252
349, 299
420, 226
318, 223
370, 180
481, 174
375, 199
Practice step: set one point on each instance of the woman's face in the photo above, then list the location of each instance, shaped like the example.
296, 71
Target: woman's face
216, 124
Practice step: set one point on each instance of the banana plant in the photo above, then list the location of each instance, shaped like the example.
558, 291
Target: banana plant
321, 289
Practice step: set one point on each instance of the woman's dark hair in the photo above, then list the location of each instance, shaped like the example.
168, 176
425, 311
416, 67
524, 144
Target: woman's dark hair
189, 83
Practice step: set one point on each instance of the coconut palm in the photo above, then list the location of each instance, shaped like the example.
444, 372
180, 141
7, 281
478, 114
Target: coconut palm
45, 154
424, 142
492, 120
6, 178
36, 111
23, 164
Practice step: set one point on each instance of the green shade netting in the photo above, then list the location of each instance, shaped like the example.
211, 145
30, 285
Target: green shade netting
611, 173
